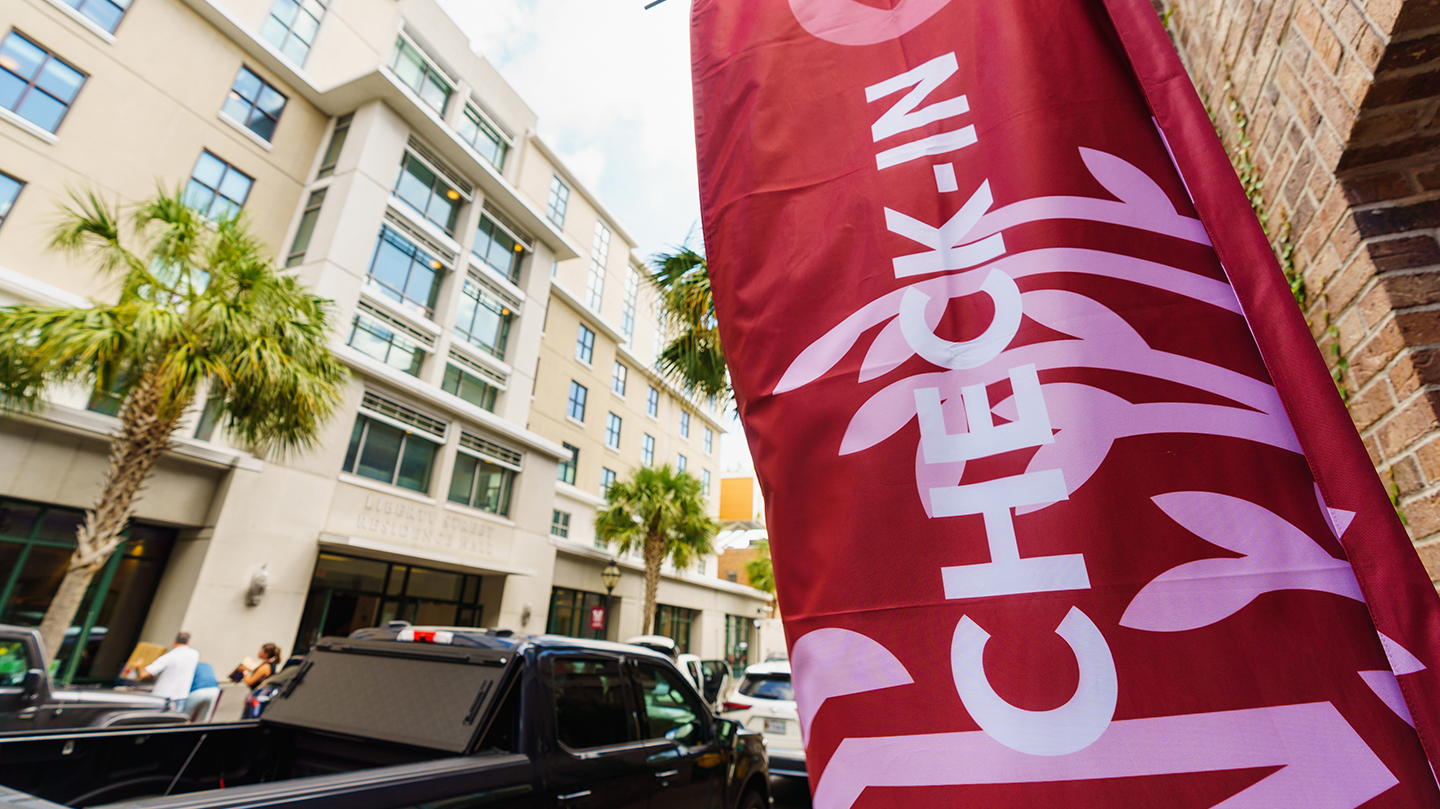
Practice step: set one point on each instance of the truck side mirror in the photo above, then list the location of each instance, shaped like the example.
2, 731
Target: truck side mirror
37, 684
725, 732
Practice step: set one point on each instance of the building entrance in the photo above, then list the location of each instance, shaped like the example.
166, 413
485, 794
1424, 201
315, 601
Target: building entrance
36, 542
349, 593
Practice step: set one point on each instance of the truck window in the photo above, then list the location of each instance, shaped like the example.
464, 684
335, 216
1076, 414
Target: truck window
13, 663
590, 706
670, 712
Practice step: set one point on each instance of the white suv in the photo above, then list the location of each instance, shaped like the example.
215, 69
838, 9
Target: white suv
765, 701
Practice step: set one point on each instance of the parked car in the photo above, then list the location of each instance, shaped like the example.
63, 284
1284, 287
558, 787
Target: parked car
765, 702
424, 716
30, 701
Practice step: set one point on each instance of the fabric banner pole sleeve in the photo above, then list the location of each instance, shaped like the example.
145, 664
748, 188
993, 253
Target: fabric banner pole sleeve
1063, 505
1398, 591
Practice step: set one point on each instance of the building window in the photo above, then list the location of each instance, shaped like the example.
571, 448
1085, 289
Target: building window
556, 203
390, 455
647, 450
685, 423
209, 417
254, 104
612, 431
374, 339
705, 482
292, 26
709, 440
599, 256
652, 401
732, 576
584, 344
481, 484
404, 273
337, 143
484, 320
676, 624
569, 465
570, 616
34, 83
680, 462
306, 229
738, 632
607, 479
420, 74
618, 378
632, 296
217, 189
560, 523
104, 13
575, 408
37, 542
9, 192
498, 249
469, 387
486, 138
423, 189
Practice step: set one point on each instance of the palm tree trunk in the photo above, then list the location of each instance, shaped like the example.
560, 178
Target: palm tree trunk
134, 451
654, 555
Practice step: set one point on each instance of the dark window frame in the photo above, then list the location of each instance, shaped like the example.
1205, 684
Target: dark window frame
306, 229
33, 81
249, 118
574, 403
359, 438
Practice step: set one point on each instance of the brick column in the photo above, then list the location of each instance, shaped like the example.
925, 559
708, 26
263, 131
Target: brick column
1338, 100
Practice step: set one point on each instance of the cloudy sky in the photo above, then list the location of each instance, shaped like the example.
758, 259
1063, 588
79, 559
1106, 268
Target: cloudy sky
610, 83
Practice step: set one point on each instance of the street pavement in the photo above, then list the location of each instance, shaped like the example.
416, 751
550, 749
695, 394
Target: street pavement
790, 793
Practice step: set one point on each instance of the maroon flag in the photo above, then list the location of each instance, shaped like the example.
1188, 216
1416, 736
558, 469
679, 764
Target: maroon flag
1063, 503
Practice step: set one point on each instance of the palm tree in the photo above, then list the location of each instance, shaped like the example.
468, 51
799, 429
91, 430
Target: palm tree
200, 307
760, 571
693, 359
660, 513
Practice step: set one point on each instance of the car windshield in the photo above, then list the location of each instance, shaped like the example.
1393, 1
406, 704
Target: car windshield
768, 686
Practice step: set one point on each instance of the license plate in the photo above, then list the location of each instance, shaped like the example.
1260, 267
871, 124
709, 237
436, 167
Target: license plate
773, 725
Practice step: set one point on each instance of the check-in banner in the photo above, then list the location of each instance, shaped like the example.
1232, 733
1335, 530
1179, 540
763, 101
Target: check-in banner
1064, 506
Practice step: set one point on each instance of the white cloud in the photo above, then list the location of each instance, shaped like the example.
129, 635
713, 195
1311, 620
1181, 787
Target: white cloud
610, 83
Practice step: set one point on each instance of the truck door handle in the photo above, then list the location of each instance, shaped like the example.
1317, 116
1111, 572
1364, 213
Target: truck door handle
667, 774
573, 796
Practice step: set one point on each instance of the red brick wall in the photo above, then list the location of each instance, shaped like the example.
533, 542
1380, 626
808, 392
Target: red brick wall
1339, 102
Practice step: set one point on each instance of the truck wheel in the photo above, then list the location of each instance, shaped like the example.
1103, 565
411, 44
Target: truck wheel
752, 800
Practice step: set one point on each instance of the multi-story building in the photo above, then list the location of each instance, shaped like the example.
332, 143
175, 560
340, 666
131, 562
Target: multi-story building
400, 176
596, 394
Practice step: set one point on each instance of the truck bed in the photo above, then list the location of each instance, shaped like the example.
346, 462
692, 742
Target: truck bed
250, 764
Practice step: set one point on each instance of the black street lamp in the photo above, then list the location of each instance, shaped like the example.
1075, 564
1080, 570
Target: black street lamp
610, 576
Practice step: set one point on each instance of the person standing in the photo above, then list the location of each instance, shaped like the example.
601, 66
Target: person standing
204, 693
173, 672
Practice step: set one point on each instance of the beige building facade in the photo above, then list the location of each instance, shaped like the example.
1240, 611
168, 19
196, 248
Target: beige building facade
398, 174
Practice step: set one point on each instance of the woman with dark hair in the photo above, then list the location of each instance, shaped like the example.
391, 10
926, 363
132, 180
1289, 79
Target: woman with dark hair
268, 665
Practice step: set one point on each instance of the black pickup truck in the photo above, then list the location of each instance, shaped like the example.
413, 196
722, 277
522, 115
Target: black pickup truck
30, 700
423, 718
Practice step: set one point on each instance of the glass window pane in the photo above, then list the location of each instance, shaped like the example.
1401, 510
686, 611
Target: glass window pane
209, 169
354, 444
262, 126
381, 453
421, 287
415, 466
669, 712
11, 87
462, 483
41, 110
437, 584
392, 262
305, 27
590, 708
296, 50
21, 56
270, 101
349, 573
285, 11
235, 186
247, 85
236, 107
60, 80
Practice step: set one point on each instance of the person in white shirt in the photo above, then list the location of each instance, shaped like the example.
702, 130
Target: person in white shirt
173, 672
